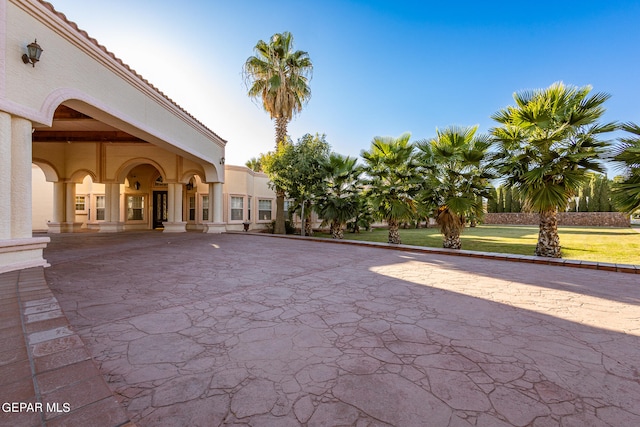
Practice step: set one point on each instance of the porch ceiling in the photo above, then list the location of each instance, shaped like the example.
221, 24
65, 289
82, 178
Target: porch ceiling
70, 125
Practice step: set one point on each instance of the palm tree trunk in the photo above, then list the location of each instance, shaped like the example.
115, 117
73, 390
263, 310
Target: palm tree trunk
308, 227
281, 135
548, 239
452, 240
281, 130
336, 230
394, 235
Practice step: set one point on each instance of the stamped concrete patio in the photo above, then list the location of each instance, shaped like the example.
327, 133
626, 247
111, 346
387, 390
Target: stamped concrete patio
205, 330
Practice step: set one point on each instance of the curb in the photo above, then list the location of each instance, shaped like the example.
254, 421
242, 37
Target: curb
531, 259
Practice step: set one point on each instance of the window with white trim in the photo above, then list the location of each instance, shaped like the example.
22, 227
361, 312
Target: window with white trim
237, 208
135, 208
81, 204
100, 203
205, 208
264, 210
192, 208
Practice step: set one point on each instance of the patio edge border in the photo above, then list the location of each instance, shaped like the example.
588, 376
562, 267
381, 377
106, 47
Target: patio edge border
604, 266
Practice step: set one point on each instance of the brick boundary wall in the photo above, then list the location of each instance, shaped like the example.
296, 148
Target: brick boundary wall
588, 219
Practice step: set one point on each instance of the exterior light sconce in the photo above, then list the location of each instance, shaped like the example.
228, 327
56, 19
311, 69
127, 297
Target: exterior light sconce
33, 53
136, 185
222, 160
189, 186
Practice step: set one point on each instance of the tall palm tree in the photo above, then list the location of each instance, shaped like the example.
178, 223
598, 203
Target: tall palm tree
456, 174
255, 164
546, 144
626, 194
279, 76
339, 200
392, 182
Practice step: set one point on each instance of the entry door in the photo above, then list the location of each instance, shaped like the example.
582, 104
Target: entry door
159, 208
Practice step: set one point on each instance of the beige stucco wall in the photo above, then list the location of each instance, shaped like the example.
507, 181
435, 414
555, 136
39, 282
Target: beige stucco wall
252, 187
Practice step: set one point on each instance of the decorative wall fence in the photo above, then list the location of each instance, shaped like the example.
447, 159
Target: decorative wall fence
589, 219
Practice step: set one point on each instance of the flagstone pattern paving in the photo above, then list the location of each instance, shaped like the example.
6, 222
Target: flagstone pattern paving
43, 364
206, 330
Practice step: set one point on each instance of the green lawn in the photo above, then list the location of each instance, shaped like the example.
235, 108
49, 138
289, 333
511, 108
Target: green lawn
602, 244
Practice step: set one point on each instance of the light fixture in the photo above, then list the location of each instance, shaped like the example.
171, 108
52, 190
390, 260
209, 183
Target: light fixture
136, 185
190, 185
222, 160
33, 53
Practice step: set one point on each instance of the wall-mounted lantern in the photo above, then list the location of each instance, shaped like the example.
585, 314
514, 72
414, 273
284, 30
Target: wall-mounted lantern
33, 53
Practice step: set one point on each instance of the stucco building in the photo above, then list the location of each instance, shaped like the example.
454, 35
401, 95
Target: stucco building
246, 198
117, 154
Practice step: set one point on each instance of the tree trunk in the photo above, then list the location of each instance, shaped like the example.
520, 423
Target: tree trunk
308, 226
548, 239
394, 235
452, 239
281, 131
281, 135
279, 228
336, 230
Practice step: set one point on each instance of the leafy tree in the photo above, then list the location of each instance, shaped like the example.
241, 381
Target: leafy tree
255, 164
626, 193
516, 204
546, 143
279, 76
297, 170
456, 174
339, 202
508, 200
492, 200
604, 194
392, 181
585, 196
500, 203
600, 194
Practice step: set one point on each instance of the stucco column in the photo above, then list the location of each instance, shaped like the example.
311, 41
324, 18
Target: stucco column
5, 176
70, 204
215, 224
18, 249
174, 223
217, 202
112, 222
211, 202
170, 196
21, 178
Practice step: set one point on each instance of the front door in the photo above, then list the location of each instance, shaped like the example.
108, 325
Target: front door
159, 208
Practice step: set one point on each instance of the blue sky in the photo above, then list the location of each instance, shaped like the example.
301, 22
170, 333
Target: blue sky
380, 67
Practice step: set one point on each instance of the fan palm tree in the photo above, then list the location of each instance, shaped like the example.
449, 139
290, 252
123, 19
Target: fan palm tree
546, 144
626, 194
255, 164
338, 203
392, 182
456, 174
279, 76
